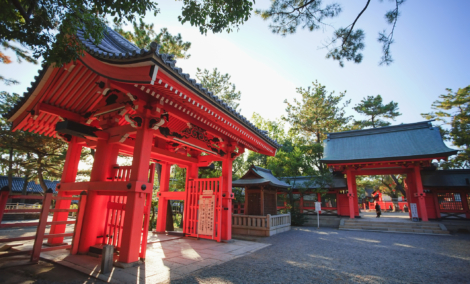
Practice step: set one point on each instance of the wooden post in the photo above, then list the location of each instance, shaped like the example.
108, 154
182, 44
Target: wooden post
69, 174
191, 174
40, 231
262, 200
79, 222
246, 200
227, 200
420, 193
351, 191
163, 202
4, 192
131, 239
94, 219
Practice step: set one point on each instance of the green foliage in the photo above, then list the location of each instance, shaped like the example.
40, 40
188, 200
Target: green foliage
453, 109
220, 85
347, 42
297, 218
144, 34
216, 15
27, 154
374, 109
317, 113
49, 27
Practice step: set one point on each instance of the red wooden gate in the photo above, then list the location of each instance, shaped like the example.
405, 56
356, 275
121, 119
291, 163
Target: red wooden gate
116, 210
194, 190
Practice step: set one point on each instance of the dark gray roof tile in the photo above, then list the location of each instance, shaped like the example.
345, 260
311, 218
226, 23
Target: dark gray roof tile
405, 141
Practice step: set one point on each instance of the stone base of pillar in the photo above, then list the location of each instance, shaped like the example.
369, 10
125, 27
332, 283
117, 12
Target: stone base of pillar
127, 265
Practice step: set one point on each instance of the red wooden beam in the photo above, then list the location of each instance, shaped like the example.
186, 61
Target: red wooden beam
60, 112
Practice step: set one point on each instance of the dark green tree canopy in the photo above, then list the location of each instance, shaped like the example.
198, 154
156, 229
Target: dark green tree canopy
48, 27
453, 109
317, 113
374, 109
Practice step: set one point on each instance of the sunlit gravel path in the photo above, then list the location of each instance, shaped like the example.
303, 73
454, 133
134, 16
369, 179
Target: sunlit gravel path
308, 255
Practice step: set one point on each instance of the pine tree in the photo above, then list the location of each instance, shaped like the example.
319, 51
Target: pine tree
219, 84
453, 109
144, 34
374, 109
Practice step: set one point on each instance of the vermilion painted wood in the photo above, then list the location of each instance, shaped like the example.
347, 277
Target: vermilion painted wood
79, 222
94, 219
351, 189
131, 240
23, 211
18, 225
420, 193
191, 174
72, 79
162, 201
226, 202
26, 197
17, 239
145, 229
41, 227
3, 202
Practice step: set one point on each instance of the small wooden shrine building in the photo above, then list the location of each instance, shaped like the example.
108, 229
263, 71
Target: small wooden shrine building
450, 191
120, 99
401, 149
261, 189
306, 191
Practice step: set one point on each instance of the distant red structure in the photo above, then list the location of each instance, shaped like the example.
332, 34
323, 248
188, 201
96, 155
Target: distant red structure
119, 99
402, 149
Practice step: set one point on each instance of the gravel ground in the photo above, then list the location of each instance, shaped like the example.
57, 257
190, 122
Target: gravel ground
308, 255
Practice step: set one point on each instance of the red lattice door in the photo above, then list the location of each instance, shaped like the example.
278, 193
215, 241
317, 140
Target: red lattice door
203, 213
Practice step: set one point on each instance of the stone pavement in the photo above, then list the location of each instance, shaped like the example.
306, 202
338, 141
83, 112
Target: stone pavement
168, 258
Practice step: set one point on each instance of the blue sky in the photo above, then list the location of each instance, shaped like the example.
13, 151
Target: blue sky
430, 52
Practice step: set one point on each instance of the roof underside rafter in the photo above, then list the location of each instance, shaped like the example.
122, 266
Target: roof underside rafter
78, 92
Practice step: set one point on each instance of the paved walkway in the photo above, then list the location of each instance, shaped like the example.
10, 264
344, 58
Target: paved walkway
168, 258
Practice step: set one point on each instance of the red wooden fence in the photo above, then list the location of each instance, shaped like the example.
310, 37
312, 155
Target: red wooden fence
41, 225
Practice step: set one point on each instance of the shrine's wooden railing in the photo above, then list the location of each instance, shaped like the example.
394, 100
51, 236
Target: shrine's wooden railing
41, 225
267, 222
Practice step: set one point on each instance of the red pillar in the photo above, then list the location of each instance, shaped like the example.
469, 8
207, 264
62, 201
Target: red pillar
420, 193
130, 244
69, 174
95, 211
351, 192
227, 199
162, 201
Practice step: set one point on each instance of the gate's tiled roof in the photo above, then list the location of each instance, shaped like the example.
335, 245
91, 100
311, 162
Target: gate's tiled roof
309, 182
399, 142
446, 178
259, 176
115, 49
31, 188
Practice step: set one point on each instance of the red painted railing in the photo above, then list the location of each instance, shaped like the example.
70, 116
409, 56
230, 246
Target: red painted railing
41, 225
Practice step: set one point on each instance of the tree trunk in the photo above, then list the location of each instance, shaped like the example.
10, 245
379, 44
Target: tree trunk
10, 170
40, 176
399, 186
24, 191
169, 218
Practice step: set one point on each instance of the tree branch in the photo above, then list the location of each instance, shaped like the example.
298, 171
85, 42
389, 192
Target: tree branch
354, 23
20, 8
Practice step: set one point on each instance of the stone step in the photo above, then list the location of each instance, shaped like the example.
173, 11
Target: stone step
383, 229
393, 224
423, 227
